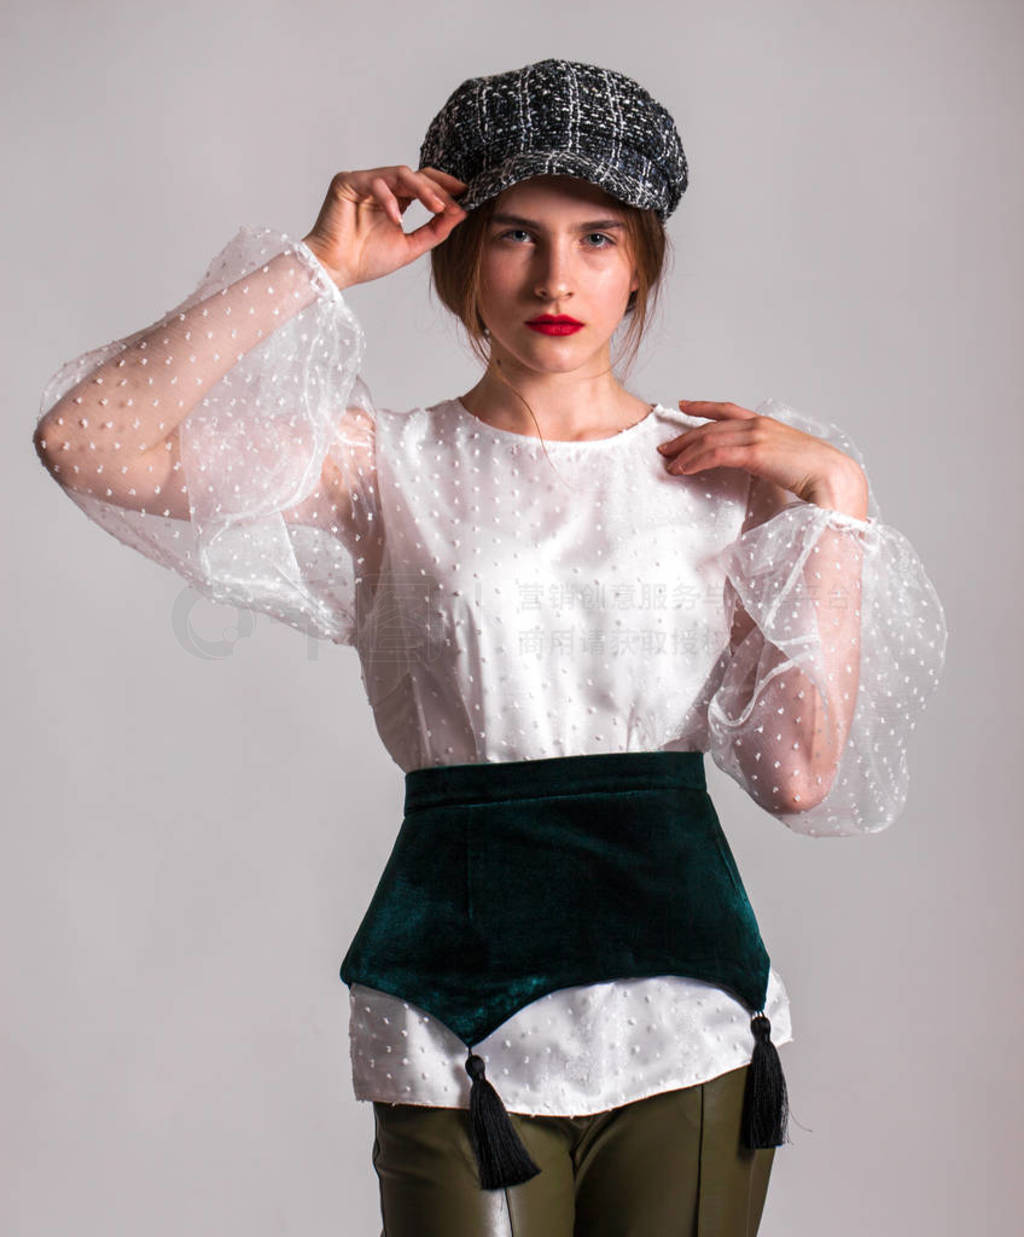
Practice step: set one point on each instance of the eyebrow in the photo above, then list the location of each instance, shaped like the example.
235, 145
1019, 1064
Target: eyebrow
593, 225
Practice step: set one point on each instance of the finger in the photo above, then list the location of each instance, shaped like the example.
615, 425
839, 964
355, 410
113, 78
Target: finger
676, 444
450, 182
450, 202
426, 190
423, 188
458, 186
702, 440
695, 433
382, 192
432, 232
718, 455
714, 408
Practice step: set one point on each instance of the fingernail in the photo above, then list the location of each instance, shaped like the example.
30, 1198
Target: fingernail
683, 402
662, 446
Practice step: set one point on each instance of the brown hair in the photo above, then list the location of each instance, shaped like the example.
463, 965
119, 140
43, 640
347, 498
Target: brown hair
455, 270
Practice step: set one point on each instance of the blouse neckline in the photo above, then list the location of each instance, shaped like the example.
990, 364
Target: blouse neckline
558, 443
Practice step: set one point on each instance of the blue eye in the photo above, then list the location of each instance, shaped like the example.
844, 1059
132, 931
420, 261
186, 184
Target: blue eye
606, 240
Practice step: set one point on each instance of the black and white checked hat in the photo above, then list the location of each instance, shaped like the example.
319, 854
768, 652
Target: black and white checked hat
558, 117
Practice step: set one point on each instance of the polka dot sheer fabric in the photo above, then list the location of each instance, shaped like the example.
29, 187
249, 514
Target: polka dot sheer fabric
509, 599
227, 442
847, 644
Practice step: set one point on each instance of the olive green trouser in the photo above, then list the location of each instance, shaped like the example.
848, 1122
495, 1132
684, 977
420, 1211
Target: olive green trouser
670, 1165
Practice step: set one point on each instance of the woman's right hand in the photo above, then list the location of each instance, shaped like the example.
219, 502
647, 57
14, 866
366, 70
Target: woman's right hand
358, 235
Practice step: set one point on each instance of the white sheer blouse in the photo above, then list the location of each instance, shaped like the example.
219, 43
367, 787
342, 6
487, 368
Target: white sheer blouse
510, 599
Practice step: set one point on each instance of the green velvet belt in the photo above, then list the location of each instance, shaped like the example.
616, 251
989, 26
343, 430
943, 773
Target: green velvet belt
510, 880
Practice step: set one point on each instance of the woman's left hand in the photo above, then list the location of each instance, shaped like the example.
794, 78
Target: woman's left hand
809, 467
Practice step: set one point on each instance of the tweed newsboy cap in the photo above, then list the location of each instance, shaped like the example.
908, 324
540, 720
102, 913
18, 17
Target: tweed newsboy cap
558, 117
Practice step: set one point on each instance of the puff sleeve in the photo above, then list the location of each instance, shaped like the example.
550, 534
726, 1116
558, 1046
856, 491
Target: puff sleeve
817, 700
257, 484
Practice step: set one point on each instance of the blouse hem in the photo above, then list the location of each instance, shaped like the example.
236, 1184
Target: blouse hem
629, 1098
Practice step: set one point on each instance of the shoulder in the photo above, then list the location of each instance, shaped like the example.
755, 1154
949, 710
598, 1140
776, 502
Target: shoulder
412, 434
361, 414
675, 419
417, 425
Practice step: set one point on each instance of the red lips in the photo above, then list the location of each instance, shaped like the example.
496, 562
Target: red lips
554, 319
555, 324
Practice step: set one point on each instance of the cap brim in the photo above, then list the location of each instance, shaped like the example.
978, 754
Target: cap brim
517, 168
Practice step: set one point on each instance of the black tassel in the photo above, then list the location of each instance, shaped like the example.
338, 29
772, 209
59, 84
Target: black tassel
765, 1103
500, 1155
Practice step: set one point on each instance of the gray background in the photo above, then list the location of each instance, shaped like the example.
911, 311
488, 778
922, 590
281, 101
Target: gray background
191, 840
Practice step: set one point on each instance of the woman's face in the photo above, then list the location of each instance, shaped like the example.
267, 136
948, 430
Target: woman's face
555, 245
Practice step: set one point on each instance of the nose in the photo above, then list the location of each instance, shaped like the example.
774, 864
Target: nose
553, 275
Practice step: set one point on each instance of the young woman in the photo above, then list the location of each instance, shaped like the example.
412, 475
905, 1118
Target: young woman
562, 596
